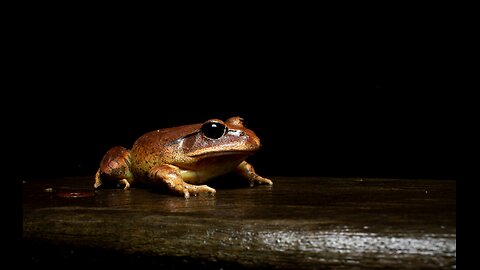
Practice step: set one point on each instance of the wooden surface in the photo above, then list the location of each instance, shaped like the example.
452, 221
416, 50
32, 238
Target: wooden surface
299, 223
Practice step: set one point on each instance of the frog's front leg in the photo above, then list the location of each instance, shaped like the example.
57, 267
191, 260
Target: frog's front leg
114, 168
246, 170
172, 177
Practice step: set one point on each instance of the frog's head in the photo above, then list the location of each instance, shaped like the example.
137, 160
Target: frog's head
218, 138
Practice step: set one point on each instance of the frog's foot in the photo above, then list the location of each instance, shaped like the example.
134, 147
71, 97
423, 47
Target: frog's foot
247, 171
170, 175
125, 182
195, 190
114, 169
99, 182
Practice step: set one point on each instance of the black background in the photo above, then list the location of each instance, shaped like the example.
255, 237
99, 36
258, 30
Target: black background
364, 119
369, 97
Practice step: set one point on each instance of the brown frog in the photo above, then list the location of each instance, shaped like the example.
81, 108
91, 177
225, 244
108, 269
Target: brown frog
183, 158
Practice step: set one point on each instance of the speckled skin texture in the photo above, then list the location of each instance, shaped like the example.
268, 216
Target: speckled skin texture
184, 157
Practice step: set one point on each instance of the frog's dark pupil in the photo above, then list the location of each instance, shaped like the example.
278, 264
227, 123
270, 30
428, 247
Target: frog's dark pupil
213, 130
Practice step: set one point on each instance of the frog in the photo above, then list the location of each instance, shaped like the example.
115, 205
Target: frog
183, 158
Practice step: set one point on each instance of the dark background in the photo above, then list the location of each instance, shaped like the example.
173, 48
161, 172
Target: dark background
370, 97
345, 93
347, 123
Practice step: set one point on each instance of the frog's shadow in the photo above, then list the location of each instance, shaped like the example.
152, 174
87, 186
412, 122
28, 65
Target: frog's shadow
228, 181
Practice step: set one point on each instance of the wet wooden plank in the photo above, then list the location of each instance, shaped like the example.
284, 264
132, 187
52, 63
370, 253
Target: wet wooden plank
299, 223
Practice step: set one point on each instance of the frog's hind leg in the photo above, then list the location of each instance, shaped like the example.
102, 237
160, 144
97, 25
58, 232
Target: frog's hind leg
114, 169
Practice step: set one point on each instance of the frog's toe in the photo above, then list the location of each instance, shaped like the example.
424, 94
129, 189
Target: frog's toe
210, 190
264, 181
258, 180
97, 185
98, 180
207, 189
186, 194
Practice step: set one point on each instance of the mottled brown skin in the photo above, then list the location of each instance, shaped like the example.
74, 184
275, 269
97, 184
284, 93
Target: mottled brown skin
183, 158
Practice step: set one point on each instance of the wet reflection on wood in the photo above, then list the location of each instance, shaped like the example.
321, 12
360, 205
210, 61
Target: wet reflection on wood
299, 223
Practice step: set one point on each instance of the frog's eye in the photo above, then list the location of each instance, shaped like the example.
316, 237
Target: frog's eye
213, 130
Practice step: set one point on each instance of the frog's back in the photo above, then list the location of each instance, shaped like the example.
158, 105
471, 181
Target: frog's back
161, 138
